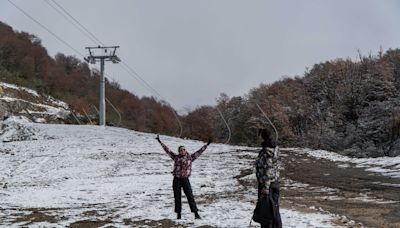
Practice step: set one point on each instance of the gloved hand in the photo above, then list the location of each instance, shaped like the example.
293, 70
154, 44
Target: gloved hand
209, 142
264, 191
158, 138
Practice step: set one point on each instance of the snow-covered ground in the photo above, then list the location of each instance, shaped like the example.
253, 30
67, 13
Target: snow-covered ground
81, 173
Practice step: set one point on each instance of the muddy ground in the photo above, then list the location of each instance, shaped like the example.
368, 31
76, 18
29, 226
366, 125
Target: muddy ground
365, 197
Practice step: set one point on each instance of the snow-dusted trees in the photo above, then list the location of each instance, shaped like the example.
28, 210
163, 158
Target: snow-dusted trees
342, 105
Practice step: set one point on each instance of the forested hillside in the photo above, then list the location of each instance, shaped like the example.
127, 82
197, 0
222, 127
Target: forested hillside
25, 62
343, 105
351, 107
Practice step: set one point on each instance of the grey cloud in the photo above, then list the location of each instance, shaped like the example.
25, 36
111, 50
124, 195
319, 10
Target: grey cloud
191, 51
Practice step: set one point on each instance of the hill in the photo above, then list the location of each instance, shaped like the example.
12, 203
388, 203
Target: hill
68, 175
347, 106
25, 62
351, 107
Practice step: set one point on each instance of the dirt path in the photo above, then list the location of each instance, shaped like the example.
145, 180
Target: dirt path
365, 197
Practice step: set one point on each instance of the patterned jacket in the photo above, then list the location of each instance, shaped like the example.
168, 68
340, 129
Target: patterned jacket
183, 164
267, 166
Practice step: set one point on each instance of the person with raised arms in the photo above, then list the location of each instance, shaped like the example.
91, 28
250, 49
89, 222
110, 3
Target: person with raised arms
181, 172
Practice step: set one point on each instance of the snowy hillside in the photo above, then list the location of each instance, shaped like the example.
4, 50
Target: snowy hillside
59, 175
15, 100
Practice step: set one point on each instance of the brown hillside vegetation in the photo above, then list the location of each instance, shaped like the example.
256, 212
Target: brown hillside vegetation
351, 107
25, 62
342, 105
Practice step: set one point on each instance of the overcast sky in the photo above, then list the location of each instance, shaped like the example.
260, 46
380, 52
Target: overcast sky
191, 51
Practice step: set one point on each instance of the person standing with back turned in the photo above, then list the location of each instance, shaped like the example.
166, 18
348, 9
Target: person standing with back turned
182, 171
267, 172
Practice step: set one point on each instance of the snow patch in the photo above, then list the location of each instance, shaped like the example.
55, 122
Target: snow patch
6, 85
59, 112
366, 198
14, 129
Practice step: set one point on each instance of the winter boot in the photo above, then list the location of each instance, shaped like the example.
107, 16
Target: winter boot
196, 215
178, 216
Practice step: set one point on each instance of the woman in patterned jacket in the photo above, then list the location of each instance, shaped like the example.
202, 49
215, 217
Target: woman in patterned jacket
181, 172
267, 172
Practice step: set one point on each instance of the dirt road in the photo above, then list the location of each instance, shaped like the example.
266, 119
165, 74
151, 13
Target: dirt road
341, 188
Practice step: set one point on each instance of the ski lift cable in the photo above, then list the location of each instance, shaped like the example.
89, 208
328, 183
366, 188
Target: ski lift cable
94, 38
82, 28
179, 122
70, 19
51, 33
76, 118
116, 110
95, 108
88, 33
76, 51
272, 124
45, 28
134, 74
84, 111
227, 126
129, 69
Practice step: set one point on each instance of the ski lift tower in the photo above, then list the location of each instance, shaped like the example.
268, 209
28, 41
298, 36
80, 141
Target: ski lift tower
102, 54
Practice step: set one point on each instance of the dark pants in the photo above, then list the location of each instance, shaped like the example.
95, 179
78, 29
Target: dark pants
177, 185
274, 189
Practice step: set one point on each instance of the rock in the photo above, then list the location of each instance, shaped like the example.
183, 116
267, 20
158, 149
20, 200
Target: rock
20, 101
395, 149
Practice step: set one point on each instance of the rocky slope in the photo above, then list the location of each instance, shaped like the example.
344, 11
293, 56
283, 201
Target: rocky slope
20, 101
